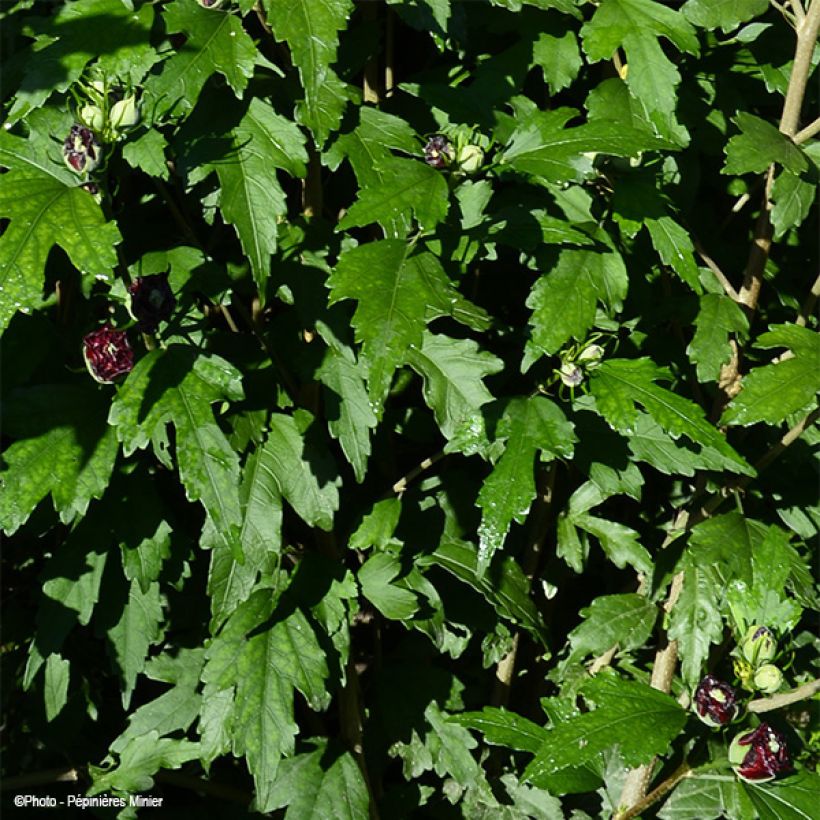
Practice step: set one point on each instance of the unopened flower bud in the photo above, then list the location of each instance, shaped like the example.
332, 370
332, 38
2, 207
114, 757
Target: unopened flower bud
759, 645
715, 702
438, 152
125, 113
81, 151
759, 755
107, 354
591, 356
92, 116
470, 158
571, 375
152, 301
768, 678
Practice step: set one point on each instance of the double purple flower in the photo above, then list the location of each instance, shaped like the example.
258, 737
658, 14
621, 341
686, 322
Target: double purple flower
107, 354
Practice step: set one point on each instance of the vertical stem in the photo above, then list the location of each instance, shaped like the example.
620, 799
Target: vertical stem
312, 194
370, 87
389, 53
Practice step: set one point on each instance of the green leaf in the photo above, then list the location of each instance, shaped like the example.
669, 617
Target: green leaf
377, 526
302, 468
147, 152
72, 575
376, 576
650, 443
508, 590
529, 425
727, 14
63, 447
265, 657
543, 147
793, 798
397, 294
640, 720
46, 208
564, 301
55, 688
635, 26
311, 29
325, 783
503, 728
229, 582
295, 650
370, 144
143, 562
215, 41
626, 620
792, 198
695, 621
707, 795
675, 249
251, 198
758, 145
350, 418
143, 757
179, 385
619, 384
619, 542
710, 349
131, 636
772, 392
174, 710
453, 370
406, 188
73, 36
559, 58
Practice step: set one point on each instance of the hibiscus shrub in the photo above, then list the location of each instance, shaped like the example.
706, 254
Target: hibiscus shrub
409, 407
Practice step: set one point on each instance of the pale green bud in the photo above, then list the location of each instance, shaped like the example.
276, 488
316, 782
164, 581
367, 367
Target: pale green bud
768, 678
591, 356
759, 646
125, 113
92, 117
470, 158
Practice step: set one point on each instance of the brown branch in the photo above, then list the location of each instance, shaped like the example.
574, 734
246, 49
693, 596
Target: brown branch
719, 274
804, 692
263, 20
807, 308
808, 132
401, 485
799, 11
806, 38
683, 771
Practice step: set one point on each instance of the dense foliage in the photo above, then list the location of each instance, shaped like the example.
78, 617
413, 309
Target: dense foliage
409, 408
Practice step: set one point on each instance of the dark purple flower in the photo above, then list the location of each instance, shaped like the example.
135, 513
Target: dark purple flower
760, 755
715, 702
152, 301
81, 151
107, 354
438, 152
